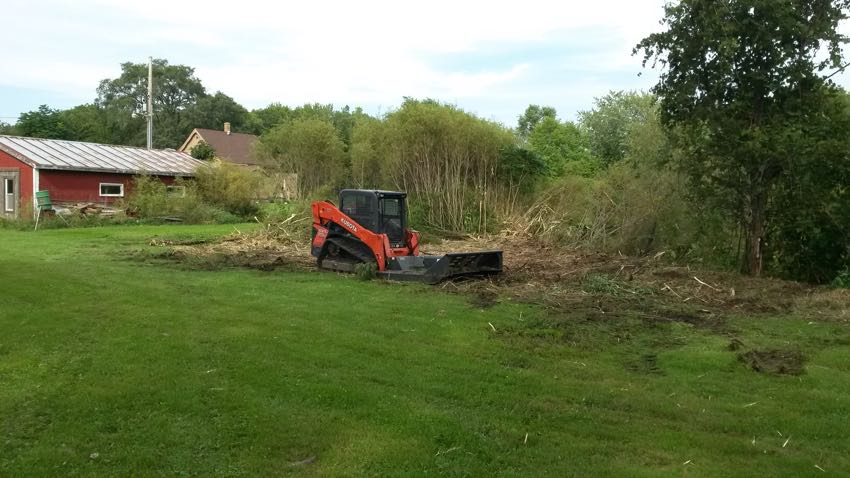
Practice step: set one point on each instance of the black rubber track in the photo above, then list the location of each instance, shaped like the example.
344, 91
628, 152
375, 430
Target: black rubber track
354, 247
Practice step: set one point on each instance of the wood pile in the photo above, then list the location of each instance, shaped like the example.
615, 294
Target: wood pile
91, 209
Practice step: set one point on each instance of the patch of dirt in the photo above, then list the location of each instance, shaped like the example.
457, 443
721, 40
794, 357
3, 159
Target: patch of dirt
484, 299
735, 345
645, 364
559, 278
562, 277
774, 361
266, 250
164, 241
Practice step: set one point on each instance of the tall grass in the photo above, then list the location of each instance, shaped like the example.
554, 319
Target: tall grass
446, 159
626, 210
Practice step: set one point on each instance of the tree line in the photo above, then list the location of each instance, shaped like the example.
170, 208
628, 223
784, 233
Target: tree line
181, 103
738, 156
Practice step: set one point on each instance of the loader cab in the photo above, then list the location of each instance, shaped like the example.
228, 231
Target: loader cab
382, 212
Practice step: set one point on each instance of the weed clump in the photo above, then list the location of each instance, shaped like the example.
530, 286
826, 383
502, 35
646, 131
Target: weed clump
366, 271
605, 285
774, 361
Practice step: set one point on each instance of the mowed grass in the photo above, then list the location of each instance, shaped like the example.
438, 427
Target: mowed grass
112, 366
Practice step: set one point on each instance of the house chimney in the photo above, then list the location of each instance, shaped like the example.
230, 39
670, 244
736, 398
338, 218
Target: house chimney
227, 128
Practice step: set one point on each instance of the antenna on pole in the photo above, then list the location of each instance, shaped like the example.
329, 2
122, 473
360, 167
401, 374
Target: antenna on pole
150, 102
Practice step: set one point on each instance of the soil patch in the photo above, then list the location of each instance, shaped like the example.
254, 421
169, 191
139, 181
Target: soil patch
484, 299
267, 250
645, 364
774, 361
556, 277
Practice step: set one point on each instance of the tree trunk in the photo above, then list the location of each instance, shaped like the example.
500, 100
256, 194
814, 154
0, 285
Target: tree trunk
755, 235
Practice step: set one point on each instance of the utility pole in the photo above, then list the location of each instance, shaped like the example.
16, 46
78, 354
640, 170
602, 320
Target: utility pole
150, 102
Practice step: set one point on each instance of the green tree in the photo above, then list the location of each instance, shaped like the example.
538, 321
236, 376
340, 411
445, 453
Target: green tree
203, 151
344, 119
310, 148
533, 115
213, 111
263, 119
176, 89
617, 121
44, 122
369, 153
446, 159
520, 167
563, 147
739, 88
807, 237
6, 128
87, 123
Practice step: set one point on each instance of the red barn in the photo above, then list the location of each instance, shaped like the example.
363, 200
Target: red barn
73, 171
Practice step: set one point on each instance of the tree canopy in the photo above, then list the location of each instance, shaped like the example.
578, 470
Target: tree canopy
741, 93
175, 90
310, 148
613, 122
563, 147
533, 115
212, 111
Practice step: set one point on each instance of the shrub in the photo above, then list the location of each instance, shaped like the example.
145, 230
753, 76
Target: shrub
203, 151
221, 193
628, 210
842, 280
277, 212
229, 187
148, 198
366, 271
310, 148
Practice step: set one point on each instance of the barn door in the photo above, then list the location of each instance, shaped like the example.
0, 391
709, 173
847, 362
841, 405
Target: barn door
11, 193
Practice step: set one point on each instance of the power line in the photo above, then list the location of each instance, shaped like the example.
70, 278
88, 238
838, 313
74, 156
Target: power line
837, 71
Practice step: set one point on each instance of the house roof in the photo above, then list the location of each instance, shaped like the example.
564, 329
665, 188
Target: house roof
78, 156
234, 147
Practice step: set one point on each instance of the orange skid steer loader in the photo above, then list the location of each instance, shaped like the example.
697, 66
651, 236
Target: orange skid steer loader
370, 226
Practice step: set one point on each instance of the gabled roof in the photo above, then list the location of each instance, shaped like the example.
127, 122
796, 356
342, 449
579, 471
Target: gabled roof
78, 156
234, 147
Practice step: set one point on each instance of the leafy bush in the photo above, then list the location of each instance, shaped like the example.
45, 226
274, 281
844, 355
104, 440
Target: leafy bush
626, 210
203, 151
220, 193
521, 168
277, 212
310, 148
366, 271
148, 198
564, 148
228, 187
842, 280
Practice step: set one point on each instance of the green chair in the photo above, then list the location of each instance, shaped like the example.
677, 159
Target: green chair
42, 199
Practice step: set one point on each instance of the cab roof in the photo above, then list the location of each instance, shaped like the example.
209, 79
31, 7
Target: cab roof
376, 192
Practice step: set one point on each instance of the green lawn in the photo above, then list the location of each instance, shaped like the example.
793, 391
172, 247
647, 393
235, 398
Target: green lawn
113, 366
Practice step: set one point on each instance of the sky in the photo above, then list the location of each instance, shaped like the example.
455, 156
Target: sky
490, 58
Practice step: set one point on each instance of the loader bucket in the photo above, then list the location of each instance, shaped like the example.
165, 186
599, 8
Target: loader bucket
433, 269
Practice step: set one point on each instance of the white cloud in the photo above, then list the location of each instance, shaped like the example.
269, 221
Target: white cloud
370, 53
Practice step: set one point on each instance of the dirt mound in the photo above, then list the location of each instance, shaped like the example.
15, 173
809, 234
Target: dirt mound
774, 361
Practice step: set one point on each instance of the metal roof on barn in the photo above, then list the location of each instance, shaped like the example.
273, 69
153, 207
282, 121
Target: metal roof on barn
78, 156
